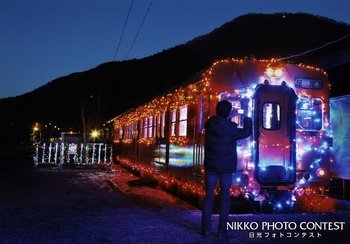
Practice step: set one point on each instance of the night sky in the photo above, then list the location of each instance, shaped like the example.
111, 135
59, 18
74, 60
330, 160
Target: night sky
41, 40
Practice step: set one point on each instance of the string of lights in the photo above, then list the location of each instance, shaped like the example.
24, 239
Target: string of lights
315, 49
56, 152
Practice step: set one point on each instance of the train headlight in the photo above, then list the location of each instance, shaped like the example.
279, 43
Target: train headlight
278, 72
274, 72
270, 72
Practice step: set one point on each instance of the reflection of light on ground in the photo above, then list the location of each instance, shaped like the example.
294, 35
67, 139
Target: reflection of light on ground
316, 203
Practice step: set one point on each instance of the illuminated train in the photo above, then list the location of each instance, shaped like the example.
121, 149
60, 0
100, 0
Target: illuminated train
289, 152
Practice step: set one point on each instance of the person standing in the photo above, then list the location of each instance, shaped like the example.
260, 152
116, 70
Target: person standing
220, 161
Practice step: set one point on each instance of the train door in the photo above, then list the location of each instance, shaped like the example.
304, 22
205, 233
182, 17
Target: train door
198, 137
274, 134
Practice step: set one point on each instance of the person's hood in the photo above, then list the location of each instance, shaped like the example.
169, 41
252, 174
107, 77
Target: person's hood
217, 125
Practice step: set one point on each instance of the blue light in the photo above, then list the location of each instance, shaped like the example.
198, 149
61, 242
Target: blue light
262, 168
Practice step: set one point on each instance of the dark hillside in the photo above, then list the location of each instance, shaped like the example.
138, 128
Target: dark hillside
266, 36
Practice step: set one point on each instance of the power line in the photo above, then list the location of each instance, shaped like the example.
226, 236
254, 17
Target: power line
139, 30
317, 48
121, 36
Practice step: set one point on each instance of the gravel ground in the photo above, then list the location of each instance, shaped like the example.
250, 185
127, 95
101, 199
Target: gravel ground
49, 205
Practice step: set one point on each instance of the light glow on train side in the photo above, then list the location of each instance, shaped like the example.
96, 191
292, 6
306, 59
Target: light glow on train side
179, 156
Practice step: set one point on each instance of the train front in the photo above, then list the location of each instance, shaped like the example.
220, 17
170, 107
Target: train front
290, 152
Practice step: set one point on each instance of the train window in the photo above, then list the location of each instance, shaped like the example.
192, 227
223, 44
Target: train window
183, 121
154, 126
124, 132
139, 129
158, 117
236, 104
130, 131
271, 116
120, 133
145, 127
134, 130
238, 119
309, 114
150, 126
173, 123
162, 130
127, 132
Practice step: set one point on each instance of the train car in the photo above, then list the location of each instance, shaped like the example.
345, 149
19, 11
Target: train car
289, 152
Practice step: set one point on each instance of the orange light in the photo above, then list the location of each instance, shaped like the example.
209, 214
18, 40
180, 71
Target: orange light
321, 172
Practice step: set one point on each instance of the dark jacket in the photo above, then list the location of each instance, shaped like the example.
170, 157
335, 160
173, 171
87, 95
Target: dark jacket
221, 135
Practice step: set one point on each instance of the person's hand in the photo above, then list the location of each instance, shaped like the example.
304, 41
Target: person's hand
233, 113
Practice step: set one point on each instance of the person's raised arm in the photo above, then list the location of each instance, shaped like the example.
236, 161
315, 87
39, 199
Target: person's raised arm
246, 131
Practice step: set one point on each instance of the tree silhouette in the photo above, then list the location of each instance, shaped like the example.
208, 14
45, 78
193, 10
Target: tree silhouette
90, 113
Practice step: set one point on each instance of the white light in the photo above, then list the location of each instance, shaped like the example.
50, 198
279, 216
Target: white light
95, 134
320, 172
270, 72
278, 72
